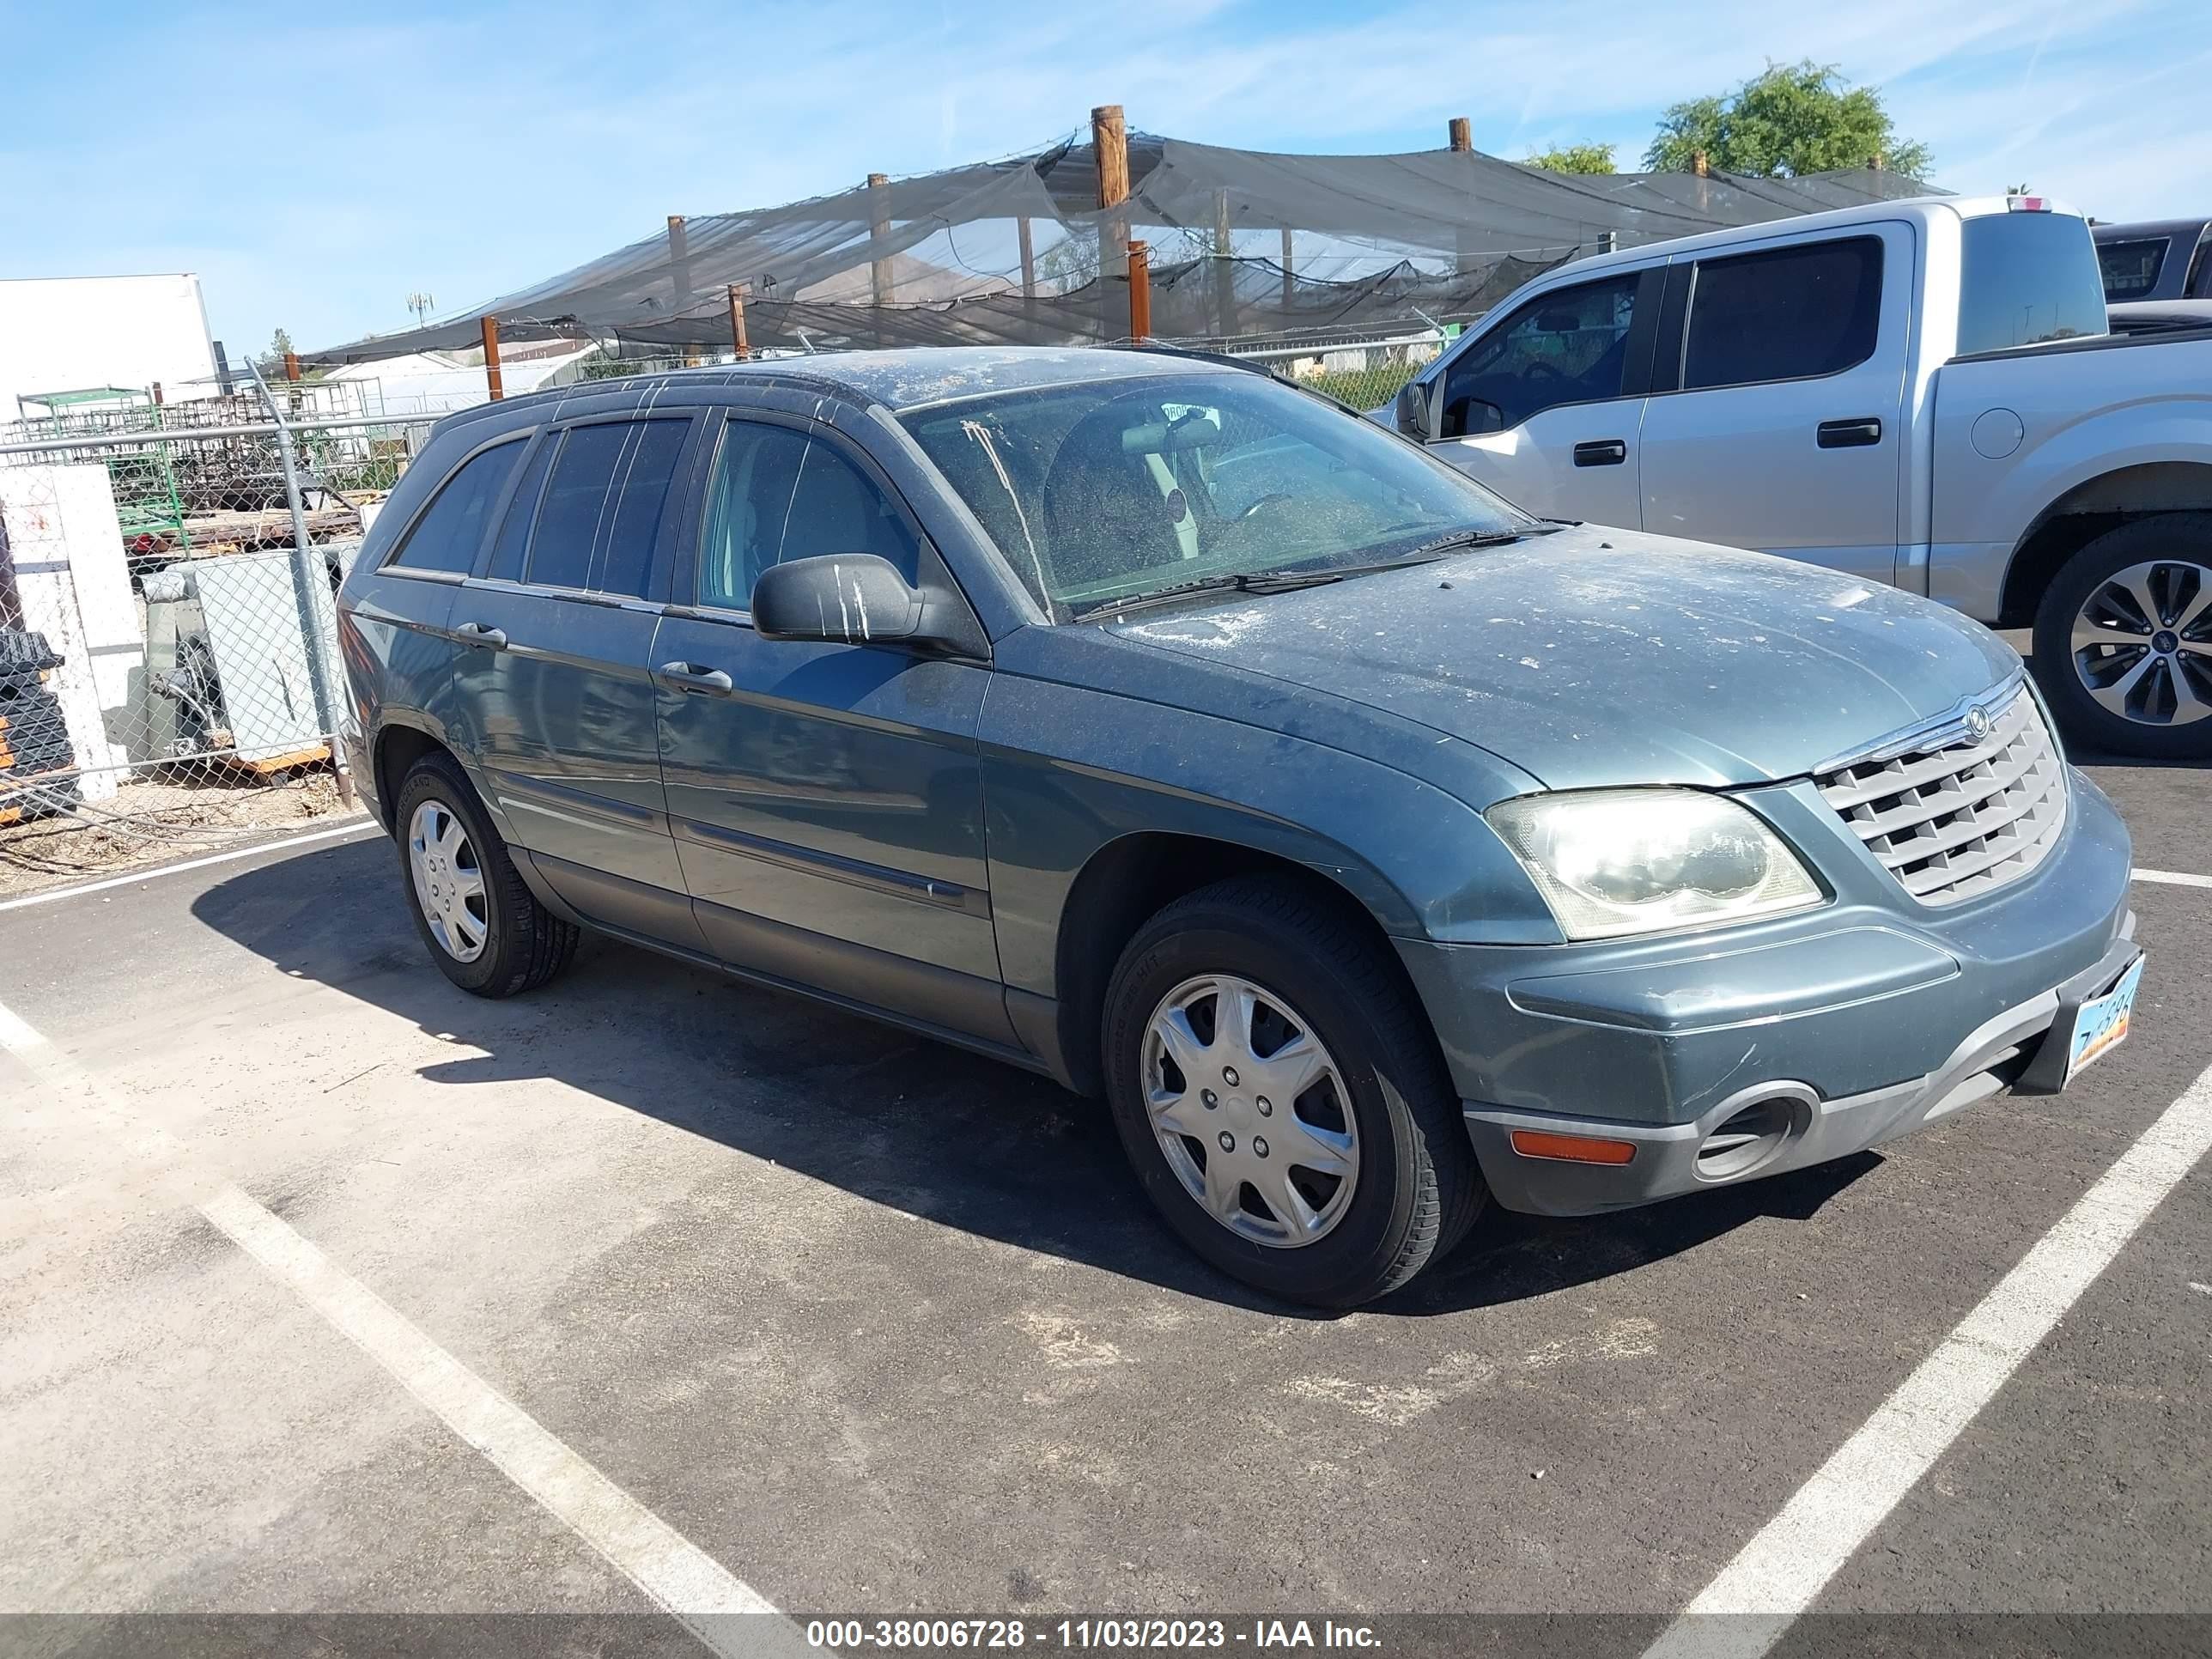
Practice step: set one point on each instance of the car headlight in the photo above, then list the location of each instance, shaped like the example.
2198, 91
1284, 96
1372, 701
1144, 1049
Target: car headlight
1614, 861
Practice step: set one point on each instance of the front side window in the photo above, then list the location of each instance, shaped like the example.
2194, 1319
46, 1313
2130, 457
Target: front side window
449, 532
599, 518
1789, 313
778, 495
2025, 278
2130, 269
1569, 346
1098, 492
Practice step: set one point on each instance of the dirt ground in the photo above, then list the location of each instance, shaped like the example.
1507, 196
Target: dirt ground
153, 821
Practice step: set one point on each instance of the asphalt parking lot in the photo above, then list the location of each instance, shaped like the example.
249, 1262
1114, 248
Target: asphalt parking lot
872, 1328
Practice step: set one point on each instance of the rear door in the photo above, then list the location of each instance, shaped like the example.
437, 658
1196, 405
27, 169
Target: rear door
827, 800
1544, 408
1775, 416
555, 675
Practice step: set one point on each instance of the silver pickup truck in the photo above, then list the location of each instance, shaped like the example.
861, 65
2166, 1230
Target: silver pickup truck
1922, 392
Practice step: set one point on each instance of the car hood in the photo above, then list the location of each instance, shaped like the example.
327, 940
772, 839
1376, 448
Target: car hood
1591, 657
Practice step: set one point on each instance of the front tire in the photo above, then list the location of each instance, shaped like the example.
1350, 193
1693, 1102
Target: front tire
483, 925
1281, 1096
2123, 640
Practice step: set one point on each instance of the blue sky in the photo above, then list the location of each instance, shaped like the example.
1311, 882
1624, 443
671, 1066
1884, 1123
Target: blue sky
314, 169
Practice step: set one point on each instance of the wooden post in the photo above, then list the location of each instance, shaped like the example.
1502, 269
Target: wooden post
1029, 259
291, 365
1109, 146
738, 343
1877, 162
1290, 282
1699, 165
1140, 291
1225, 267
679, 263
491, 358
1462, 134
157, 394
879, 232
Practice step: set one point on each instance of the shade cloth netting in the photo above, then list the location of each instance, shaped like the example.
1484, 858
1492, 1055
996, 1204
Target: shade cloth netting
1009, 252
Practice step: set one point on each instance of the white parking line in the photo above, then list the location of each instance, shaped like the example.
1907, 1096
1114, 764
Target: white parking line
353, 827
2174, 877
1776, 1576
727, 1615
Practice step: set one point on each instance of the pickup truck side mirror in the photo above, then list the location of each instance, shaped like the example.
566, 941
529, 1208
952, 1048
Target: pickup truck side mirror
859, 599
1416, 414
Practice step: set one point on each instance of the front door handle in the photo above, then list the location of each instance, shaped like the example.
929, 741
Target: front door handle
692, 678
1849, 435
478, 633
1603, 452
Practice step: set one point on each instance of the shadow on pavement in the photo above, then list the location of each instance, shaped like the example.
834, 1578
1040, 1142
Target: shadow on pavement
936, 1133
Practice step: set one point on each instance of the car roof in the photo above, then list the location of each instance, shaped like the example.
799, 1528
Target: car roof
1867, 213
898, 379
2144, 229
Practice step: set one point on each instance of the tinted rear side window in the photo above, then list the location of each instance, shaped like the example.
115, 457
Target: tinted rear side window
600, 516
2027, 277
447, 536
1787, 314
514, 530
2130, 268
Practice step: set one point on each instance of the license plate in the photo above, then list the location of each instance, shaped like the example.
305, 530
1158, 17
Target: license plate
2099, 1025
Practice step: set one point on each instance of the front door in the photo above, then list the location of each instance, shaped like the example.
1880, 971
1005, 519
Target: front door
826, 799
1779, 427
555, 669
1546, 407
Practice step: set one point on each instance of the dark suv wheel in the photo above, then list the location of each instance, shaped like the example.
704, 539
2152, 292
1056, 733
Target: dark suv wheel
484, 927
1281, 1096
2123, 640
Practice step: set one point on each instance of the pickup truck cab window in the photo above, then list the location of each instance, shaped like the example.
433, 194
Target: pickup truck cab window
2130, 268
451, 528
1568, 346
2025, 278
1789, 314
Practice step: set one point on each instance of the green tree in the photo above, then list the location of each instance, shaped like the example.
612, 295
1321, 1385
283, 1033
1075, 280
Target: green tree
1574, 158
1789, 119
273, 359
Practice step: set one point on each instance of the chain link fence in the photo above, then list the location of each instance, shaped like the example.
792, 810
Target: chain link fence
169, 677
1365, 371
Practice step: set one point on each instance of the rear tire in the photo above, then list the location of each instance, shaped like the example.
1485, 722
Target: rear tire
2091, 633
481, 923
1385, 1105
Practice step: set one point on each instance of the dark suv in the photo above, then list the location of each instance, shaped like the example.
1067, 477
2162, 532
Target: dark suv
1373, 846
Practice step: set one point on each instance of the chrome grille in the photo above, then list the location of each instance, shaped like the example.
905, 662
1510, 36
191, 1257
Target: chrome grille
1957, 816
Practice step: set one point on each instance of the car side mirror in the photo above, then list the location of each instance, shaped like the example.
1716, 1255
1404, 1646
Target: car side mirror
860, 599
1414, 414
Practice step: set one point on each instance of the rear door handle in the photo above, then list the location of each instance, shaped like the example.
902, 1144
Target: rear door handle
1602, 452
1849, 435
692, 678
478, 633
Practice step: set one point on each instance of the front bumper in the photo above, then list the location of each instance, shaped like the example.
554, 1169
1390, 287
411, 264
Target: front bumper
1854, 1024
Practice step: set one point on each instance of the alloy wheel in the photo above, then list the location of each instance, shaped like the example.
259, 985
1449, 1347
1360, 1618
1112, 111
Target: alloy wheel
2142, 642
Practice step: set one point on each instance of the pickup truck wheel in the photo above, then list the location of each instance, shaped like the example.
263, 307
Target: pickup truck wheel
484, 927
1280, 1095
2123, 640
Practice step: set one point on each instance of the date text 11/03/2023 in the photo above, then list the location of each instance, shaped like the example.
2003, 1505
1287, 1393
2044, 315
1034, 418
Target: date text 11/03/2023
1081, 1635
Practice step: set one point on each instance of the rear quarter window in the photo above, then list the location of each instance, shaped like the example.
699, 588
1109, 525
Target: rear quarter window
451, 528
2025, 278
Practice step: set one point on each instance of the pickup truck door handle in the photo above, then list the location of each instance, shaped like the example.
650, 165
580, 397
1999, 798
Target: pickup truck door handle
1849, 435
478, 633
690, 676
1602, 452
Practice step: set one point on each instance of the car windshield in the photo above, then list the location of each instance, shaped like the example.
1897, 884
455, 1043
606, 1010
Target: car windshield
1098, 493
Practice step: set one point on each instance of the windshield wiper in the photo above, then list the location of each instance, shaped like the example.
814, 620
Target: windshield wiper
1264, 581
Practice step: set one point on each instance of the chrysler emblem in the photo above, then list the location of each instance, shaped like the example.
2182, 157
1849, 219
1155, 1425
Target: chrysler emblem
1978, 722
